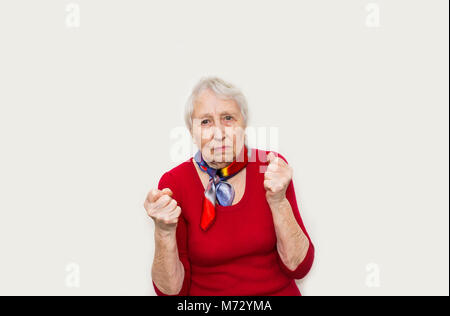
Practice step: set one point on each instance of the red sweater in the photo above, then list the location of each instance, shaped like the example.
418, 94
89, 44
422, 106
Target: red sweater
238, 254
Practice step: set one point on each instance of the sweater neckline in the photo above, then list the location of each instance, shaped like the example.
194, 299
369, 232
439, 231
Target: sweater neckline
247, 189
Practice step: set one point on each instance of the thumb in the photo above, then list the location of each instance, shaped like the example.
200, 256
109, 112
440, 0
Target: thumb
155, 194
271, 157
167, 191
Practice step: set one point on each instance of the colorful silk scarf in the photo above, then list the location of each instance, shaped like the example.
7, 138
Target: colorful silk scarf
218, 190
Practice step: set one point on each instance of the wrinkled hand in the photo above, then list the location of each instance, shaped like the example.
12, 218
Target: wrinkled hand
276, 179
163, 209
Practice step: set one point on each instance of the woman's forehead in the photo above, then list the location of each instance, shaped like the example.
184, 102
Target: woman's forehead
210, 104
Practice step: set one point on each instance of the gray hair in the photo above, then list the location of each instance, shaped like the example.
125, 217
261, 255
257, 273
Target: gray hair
221, 89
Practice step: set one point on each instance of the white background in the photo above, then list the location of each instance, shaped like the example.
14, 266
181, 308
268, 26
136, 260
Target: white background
86, 114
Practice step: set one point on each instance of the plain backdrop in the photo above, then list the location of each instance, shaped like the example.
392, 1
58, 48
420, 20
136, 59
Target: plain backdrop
358, 91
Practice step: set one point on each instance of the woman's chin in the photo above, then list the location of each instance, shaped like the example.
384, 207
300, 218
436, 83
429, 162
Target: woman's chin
223, 156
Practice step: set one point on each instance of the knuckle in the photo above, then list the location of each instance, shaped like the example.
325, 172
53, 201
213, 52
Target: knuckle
163, 199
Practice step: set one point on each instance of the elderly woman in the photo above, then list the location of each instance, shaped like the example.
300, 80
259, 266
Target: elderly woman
226, 220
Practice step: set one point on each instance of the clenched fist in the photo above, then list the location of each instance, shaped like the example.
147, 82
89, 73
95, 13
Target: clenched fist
163, 209
276, 178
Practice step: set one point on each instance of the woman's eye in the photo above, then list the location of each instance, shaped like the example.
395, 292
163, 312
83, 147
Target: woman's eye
204, 122
228, 118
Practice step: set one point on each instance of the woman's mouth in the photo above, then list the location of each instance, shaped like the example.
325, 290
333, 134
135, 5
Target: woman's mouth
222, 148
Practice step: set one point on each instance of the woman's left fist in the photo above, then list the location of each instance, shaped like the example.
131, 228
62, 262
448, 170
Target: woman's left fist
276, 178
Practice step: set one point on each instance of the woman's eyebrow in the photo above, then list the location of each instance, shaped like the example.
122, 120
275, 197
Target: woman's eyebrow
227, 113
205, 115
211, 115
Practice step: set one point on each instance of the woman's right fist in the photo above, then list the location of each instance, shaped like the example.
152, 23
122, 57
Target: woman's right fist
163, 209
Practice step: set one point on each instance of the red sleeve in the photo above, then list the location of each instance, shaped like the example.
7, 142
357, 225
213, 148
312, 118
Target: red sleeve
304, 267
167, 181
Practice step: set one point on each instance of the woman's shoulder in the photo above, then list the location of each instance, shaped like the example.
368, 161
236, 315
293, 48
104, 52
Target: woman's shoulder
174, 179
180, 171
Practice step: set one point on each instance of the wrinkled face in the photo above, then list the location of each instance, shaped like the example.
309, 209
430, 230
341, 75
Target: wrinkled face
218, 128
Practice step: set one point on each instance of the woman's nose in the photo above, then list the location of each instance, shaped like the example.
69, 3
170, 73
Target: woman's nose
219, 133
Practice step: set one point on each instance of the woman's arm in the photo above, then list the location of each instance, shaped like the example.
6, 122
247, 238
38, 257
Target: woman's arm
294, 247
292, 243
167, 269
171, 267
